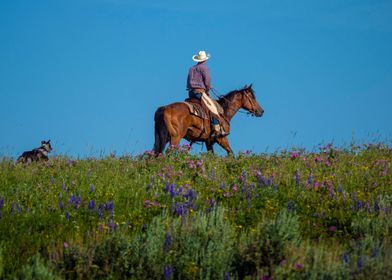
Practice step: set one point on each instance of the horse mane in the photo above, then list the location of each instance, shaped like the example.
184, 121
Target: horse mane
223, 99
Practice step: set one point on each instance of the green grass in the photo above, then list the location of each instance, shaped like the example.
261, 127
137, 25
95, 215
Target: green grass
288, 215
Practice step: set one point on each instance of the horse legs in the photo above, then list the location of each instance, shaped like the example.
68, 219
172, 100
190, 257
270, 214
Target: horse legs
209, 146
224, 143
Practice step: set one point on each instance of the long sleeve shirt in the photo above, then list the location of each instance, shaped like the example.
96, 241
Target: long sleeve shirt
199, 77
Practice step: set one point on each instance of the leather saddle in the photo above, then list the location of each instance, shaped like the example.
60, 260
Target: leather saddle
196, 108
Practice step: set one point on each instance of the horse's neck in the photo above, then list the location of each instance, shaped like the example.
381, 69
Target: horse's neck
231, 107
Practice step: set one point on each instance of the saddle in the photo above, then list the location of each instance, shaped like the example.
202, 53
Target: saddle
196, 108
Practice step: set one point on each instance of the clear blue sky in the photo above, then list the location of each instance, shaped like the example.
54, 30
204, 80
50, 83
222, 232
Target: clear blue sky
89, 74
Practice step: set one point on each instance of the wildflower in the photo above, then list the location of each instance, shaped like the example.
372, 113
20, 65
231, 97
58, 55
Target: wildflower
376, 207
297, 178
318, 159
270, 181
331, 193
146, 203
167, 272
148, 188
100, 211
75, 201
299, 266
63, 187
360, 263
290, 206
109, 206
242, 178
190, 195
67, 215
227, 276
316, 185
332, 228
112, 226
345, 257
340, 189
235, 188
66, 245
328, 163
61, 205
144, 227
180, 209
222, 186
167, 244
91, 204
310, 179
92, 188
199, 163
295, 155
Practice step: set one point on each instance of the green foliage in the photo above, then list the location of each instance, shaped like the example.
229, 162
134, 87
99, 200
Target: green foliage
287, 215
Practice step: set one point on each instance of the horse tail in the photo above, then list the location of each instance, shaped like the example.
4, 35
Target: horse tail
161, 132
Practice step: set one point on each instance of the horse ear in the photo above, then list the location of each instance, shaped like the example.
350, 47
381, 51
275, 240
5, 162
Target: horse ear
48, 141
246, 86
43, 142
250, 86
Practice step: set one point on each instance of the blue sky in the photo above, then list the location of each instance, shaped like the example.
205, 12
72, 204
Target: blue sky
89, 74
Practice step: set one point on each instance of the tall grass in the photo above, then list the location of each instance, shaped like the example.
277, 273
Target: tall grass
287, 215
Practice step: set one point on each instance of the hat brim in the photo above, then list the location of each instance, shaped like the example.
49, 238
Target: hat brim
195, 58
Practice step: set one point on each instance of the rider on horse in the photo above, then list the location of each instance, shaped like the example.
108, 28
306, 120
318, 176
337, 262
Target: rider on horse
198, 86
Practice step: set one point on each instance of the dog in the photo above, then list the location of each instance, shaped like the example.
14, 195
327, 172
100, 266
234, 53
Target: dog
37, 154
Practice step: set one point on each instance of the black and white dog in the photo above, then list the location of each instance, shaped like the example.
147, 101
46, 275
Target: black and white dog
37, 154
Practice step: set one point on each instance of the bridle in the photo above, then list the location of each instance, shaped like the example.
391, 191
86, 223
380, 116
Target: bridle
252, 101
244, 92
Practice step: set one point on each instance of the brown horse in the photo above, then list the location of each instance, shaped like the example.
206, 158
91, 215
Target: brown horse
174, 121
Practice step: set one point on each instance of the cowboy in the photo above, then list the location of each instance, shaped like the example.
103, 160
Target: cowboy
198, 86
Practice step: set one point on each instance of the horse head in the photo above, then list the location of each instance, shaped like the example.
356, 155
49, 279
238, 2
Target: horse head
249, 102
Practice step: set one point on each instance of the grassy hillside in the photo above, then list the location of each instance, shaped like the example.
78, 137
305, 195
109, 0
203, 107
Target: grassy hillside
289, 215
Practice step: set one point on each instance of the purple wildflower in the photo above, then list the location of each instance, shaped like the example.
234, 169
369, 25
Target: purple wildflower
291, 206
1, 203
331, 193
75, 201
340, 189
299, 266
332, 228
242, 178
66, 245
376, 207
144, 227
190, 195
91, 205
92, 188
310, 179
100, 211
270, 181
345, 258
148, 188
297, 178
109, 206
167, 244
227, 276
61, 205
112, 226
295, 155
67, 215
167, 272
261, 179
360, 263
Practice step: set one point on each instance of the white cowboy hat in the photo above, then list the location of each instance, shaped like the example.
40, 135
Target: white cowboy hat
201, 56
